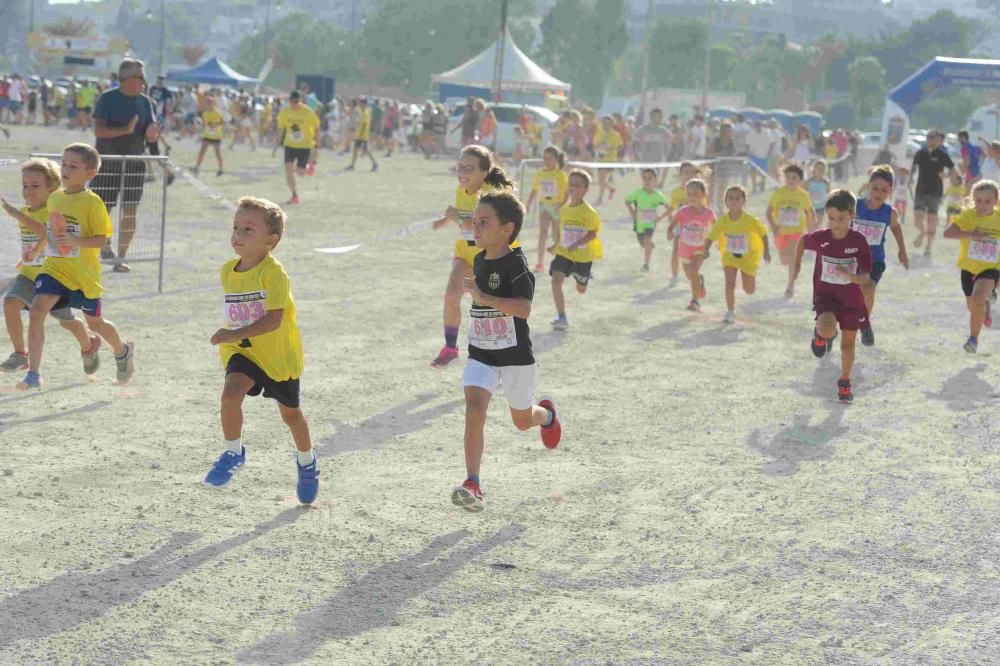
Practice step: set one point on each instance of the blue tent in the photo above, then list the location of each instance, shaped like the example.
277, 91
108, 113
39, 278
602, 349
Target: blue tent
213, 72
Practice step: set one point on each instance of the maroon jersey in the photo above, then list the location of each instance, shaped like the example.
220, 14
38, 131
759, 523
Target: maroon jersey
851, 252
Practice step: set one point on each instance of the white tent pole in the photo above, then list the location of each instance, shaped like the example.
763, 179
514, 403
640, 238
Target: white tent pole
501, 47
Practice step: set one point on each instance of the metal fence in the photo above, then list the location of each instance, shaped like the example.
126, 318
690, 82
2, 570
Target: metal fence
134, 189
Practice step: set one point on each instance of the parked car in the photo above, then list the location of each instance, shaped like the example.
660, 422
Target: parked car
508, 117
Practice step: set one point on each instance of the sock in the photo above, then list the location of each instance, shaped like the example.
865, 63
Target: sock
473, 477
32, 374
305, 458
562, 315
548, 419
234, 445
123, 355
451, 337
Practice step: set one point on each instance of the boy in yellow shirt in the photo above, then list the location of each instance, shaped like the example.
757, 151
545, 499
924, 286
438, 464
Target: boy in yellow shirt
361, 135
71, 275
39, 179
607, 143
299, 130
789, 214
260, 346
578, 246
978, 229
213, 131
742, 239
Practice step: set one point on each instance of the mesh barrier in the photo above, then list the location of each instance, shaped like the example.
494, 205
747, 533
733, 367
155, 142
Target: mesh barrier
134, 189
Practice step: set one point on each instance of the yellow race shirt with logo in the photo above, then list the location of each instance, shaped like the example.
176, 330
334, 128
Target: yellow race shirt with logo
550, 185
788, 210
743, 236
465, 248
31, 268
607, 143
982, 255
213, 125
248, 296
678, 198
364, 127
300, 126
574, 223
86, 217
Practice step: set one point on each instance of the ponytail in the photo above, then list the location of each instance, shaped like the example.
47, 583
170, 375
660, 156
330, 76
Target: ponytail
498, 179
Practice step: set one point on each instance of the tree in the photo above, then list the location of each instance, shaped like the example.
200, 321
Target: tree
677, 53
868, 87
193, 53
69, 27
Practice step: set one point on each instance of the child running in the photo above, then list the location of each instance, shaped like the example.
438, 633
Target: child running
477, 175
789, 213
39, 179
902, 193
71, 274
260, 347
212, 133
607, 143
843, 263
694, 221
742, 239
643, 206
579, 245
499, 339
818, 187
678, 197
873, 218
549, 187
978, 230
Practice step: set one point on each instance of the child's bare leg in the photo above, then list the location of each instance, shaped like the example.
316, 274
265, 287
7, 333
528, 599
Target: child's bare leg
543, 236
557, 293
647, 248
41, 305
297, 425
106, 330
79, 331
526, 419
730, 288
749, 283
231, 407
847, 353
477, 400
12, 308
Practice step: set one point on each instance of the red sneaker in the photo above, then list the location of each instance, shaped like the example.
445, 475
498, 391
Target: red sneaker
444, 357
553, 433
468, 496
294, 199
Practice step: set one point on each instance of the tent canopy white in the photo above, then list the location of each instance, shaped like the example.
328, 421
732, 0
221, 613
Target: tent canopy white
520, 73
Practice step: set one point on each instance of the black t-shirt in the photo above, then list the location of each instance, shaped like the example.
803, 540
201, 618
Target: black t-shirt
497, 339
930, 165
470, 123
117, 110
161, 96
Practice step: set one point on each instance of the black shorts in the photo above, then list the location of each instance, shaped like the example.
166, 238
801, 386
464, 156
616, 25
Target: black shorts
286, 392
641, 236
212, 141
386, 133
927, 202
298, 155
578, 270
969, 280
110, 181
361, 144
878, 267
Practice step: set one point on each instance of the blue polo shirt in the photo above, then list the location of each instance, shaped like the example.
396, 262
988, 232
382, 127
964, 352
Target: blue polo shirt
117, 110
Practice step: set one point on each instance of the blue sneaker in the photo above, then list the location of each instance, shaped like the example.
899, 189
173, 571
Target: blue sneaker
225, 468
308, 486
31, 382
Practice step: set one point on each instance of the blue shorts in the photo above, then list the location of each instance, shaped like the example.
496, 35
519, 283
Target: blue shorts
68, 298
760, 163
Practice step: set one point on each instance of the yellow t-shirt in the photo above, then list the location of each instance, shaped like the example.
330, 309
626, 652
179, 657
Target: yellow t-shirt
788, 209
31, 269
213, 125
364, 127
954, 195
607, 143
743, 236
550, 185
534, 133
978, 256
86, 217
678, 198
574, 222
300, 126
247, 297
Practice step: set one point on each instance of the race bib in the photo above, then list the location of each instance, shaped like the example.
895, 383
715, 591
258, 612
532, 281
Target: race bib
693, 234
52, 250
548, 189
492, 330
465, 225
648, 215
28, 243
983, 250
571, 235
737, 243
296, 134
872, 231
832, 267
788, 217
241, 310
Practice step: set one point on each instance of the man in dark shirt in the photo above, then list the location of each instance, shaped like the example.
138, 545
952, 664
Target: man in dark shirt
931, 164
124, 121
469, 123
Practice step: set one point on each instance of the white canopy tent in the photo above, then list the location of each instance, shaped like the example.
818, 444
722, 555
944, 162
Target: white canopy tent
520, 74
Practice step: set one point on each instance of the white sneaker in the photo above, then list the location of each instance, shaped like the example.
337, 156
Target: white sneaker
673, 282
729, 318
560, 324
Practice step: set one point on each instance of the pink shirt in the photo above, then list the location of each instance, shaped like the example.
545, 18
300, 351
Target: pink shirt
694, 226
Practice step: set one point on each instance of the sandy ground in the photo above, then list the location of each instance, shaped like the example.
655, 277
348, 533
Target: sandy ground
711, 502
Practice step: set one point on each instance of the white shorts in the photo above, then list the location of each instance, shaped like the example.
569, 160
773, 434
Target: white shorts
518, 381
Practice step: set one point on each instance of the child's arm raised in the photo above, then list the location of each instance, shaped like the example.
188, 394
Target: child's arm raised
34, 226
271, 321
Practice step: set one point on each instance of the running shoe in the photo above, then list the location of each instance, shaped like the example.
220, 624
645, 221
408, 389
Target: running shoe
445, 357
971, 345
927, 252
673, 282
468, 496
31, 382
294, 200
374, 168
121, 267
844, 393
91, 359
349, 167
868, 336
560, 324
645, 268
694, 305
126, 365
308, 485
729, 318
552, 433
790, 292
820, 345
225, 468
16, 361
218, 174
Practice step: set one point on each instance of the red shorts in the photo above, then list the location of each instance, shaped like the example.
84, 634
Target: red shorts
782, 241
848, 306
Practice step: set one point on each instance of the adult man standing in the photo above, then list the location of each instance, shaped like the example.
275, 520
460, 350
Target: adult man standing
124, 121
298, 129
931, 163
651, 142
469, 123
760, 146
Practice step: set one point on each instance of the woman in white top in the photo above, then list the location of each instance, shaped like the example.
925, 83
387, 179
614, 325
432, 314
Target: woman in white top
800, 146
990, 168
